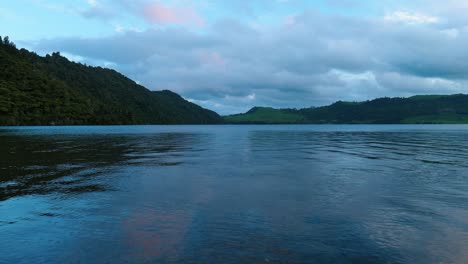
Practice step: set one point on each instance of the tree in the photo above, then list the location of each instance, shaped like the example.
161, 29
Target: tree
6, 41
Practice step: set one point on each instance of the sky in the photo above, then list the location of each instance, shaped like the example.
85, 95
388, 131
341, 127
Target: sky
231, 55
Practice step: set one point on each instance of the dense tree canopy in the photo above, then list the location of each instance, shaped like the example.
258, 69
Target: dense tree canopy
428, 109
37, 90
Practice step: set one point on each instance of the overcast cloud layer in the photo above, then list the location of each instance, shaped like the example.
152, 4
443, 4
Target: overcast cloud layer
311, 56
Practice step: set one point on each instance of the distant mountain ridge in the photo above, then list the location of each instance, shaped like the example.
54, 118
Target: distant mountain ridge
421, 109
37, 90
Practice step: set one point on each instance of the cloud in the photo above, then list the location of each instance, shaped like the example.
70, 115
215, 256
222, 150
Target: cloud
100, 10
152, 12
162, 14
93, 3
314, 59
400, 83
121, 29
411, 18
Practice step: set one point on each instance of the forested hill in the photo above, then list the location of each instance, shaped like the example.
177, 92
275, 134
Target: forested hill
37, 90
423, 109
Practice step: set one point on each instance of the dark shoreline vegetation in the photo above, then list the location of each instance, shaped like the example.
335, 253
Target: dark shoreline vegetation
52, 90
421, 109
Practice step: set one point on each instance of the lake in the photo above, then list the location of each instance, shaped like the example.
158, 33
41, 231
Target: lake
234, 194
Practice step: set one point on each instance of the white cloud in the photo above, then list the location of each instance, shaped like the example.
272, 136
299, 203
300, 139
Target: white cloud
93, 3
121, 29
411, 18
451, 33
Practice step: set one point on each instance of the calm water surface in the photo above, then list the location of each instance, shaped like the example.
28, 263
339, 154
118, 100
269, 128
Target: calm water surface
231, 194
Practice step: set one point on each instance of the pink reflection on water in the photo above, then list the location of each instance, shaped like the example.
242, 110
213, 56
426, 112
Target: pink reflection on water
151, 234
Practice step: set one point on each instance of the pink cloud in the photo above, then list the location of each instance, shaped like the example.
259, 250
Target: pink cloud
162, 14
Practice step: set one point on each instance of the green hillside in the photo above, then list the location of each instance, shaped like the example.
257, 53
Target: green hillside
422, 109
266, 115
37, 90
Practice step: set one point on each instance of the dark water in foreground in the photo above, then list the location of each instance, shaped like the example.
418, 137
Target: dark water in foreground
230, 194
